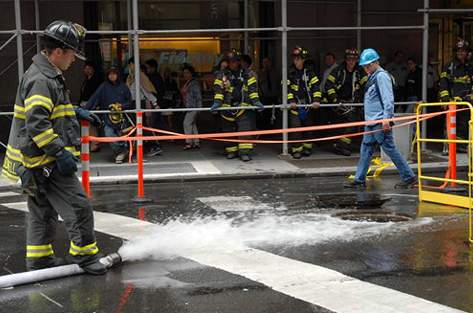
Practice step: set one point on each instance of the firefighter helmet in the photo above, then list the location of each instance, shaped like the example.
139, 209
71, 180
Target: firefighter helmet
351, 53
70, 34
368, 56
462, 44
116, 114
301, 52
233, 55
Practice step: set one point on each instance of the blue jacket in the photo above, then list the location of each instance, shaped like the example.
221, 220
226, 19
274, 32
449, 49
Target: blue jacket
379, 98
107, 94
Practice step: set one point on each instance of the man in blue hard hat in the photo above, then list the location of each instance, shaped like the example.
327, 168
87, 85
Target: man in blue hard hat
379, 105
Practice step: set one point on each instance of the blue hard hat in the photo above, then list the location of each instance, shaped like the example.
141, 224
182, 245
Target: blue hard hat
368, 56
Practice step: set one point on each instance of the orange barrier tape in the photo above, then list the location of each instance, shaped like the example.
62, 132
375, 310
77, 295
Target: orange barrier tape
224, 136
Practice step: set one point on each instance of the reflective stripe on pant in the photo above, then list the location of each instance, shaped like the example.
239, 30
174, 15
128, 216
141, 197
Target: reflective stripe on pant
64, 196
295, 121
245, 122
352, 116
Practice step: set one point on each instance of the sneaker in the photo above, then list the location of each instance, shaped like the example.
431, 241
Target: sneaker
231, 155
406, 184
120, 158
296, 155
245, 158
354, 184
154, 151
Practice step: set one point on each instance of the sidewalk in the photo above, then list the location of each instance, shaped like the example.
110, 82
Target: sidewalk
208, 163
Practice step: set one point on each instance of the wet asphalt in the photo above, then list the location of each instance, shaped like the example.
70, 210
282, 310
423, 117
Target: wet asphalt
427, 258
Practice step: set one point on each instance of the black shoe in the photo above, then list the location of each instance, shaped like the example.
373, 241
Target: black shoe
231, 155
307, 152
245, 158
341, 151
296, 155
154, 151
354, 184
94, 267
406, 184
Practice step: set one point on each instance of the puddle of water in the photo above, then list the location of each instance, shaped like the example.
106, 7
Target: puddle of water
180, 237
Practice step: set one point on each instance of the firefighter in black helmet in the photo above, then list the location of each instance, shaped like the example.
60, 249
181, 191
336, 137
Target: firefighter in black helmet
456, 84
236, 87
346, 84
42, 152
304, 88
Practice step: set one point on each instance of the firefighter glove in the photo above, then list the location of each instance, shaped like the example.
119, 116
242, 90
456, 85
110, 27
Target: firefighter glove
259, 105
83, 114
214, 107
66, 162
28, 182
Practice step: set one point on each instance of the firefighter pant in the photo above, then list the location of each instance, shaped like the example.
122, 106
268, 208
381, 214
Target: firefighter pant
296, 121
65, 196
352, 116
244, 122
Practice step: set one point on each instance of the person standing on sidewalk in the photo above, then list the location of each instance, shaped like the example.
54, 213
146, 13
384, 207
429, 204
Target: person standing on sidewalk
191, 98
42, 152
379, 105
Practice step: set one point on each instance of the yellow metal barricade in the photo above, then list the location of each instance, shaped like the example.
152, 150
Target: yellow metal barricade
445, 197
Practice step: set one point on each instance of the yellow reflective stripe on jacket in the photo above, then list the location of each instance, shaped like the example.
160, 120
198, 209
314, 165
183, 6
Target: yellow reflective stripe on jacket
90, 249
295, 87
253, 95
14, 154
363, 80
9, 175
314, 80
444, 93
19, 112
331, 91
218, 96
462, 80
317, 94
63, 110
218, 82
45, 137
38, 251
290, 96
331, 78
443, 75
38, 100
251, 81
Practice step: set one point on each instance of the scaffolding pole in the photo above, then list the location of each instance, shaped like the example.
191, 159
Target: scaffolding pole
19, 40
37, 24
246, 24
284, 74
425, 64
129, 21
358, 24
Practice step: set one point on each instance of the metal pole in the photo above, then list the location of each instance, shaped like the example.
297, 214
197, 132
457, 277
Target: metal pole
36, 19
130, 26
245, 24
284, 73
19, 40
425, 59
358, 24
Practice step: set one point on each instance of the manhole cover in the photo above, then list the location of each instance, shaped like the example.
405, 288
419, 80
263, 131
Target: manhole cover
374, 216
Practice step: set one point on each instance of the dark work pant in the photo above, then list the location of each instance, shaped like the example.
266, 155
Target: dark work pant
294, 122
244, 122
65, 196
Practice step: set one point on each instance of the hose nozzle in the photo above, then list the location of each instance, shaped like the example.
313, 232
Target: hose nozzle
111, 260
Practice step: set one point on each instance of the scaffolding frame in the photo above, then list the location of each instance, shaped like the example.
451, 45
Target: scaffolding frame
134, 33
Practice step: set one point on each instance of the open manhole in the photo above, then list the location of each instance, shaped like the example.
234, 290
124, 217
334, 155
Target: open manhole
373, 216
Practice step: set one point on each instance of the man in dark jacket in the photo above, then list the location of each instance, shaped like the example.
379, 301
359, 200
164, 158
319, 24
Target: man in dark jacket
42, 151
413, 84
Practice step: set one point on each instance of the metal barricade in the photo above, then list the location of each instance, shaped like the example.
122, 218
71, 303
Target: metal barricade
450, 179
